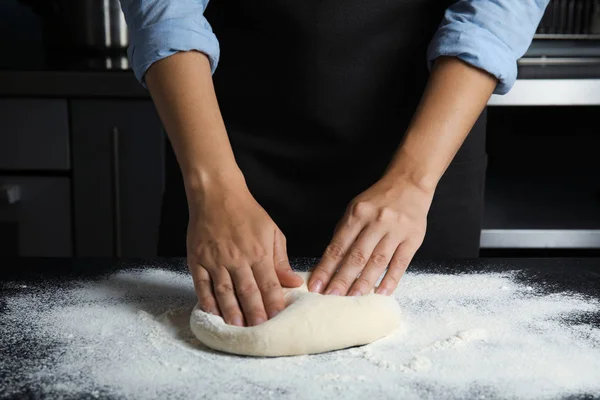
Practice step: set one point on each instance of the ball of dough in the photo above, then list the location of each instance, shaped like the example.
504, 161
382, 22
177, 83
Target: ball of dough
311, 323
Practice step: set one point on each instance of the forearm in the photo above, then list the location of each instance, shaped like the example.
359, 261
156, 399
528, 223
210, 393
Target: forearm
182, 89
455, 96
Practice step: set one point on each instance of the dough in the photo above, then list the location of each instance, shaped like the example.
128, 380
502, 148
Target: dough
311, 323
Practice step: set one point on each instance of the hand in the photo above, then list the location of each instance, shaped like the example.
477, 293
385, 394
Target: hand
237, 257
384, 225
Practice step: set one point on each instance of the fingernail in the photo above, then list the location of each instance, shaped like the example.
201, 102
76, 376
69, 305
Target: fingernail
238, 321
259, 321
214, 311
317, 286
356, 293
274, 314
333, 292
383, 291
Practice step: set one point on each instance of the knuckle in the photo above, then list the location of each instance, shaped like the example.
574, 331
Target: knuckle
400, 263
255, 253
341, 281
223, 289
281, 264
201, 248
361, 209
362, 283
259, 253
391, 278
194, 253
232, 254
334, 251
320, 271
386, 214
357, 257
224, 252
269, 286
379, 260
281, 260
247, 290
200, 282
234, 266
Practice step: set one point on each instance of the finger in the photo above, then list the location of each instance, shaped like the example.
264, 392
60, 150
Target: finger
287, 277
398, 265
270, 289
248, 295
204, 291
225, 294
378, 262
334, 254
355, 261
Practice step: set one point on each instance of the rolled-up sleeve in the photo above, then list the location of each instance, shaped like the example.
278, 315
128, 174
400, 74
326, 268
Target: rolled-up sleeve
488, 34
160, 28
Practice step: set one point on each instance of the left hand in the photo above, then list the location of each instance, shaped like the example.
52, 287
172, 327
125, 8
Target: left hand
383, 227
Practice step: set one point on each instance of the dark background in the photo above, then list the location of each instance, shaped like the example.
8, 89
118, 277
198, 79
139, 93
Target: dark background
81, 147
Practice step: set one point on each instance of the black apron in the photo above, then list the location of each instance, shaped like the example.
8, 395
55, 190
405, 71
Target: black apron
316, 96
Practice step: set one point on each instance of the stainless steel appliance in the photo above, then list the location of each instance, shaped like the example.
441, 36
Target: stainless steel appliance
570, 18
543, 186
93, 30
567, 41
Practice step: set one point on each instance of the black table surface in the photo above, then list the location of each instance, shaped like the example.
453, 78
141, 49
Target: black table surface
578, 275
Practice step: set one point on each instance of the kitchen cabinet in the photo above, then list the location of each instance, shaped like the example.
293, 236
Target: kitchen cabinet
118, 179
35, 216
34, 134
35, 189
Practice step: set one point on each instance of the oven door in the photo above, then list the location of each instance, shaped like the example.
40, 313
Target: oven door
543, 183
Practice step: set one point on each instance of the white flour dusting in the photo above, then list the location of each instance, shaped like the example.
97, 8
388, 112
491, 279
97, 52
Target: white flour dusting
465, 336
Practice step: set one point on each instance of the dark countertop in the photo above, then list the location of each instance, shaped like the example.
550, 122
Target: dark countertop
81, 83
578, 275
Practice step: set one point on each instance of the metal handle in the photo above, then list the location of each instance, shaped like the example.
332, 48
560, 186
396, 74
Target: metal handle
116, 191
9, 194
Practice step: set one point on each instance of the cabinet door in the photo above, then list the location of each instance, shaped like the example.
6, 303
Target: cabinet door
34, 134
117, 177
35, 216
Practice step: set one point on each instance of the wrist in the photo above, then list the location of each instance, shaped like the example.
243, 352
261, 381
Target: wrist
406, 168
201, 182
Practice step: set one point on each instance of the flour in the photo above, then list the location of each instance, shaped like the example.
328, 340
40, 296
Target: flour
465, 336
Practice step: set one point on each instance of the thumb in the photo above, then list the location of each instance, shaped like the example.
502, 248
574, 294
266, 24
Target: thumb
283, 269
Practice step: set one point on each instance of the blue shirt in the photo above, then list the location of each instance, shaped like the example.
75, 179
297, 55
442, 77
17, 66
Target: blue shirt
488, 34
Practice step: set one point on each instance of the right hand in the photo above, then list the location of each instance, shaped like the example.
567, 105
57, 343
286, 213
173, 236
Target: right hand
237, 257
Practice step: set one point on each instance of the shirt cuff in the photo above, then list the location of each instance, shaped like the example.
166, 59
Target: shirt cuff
165, 38
478, 47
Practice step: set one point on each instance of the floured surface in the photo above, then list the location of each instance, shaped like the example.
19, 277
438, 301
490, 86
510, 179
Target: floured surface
466, 336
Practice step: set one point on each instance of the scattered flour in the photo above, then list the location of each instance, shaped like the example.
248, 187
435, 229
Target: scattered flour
465, 336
